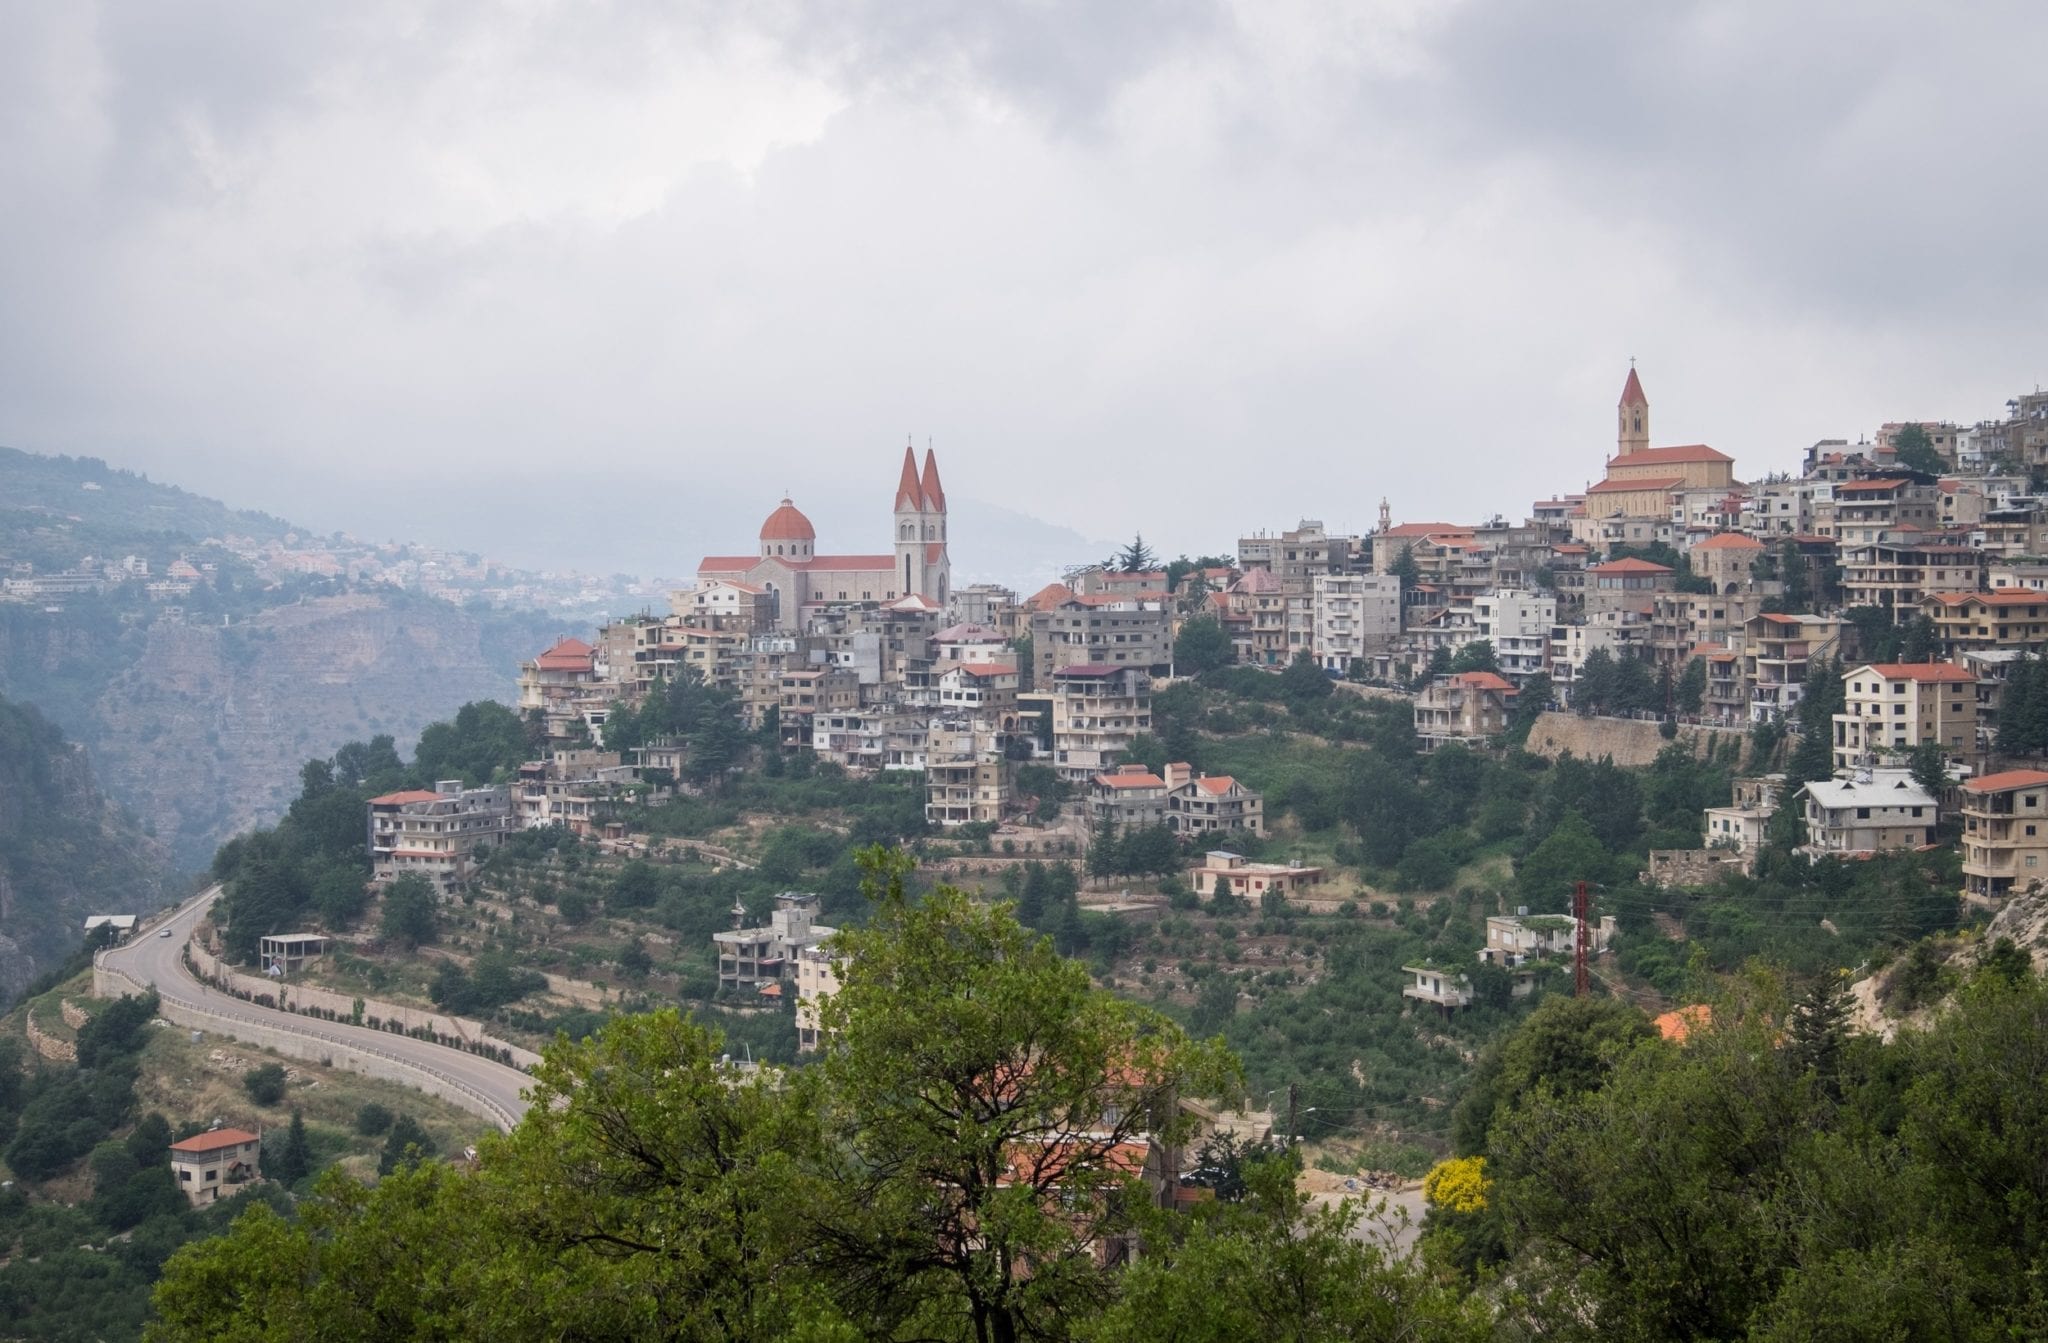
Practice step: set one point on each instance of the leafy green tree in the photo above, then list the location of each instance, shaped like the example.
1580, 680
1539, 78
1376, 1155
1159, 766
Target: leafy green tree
964, 1054
1270, 1265
1405, 568
1915, 450
1691, 689
294, 1159
1813, 759
1201, 646
409, 917
1135, 558
407, 1144
1476, 656
265, 1083
1596, 685
373, 1119
484, 741
1303, 682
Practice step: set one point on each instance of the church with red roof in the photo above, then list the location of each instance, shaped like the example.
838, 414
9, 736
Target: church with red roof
1640, 479
789, 565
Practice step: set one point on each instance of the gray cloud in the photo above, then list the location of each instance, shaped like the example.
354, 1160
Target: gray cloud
1190, 269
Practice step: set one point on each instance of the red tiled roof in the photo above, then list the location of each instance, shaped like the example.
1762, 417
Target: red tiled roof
1129, 781
1632, 390
787, 523
566, 655
399, 799
1676, 1025
2012, 778
1885, 486
214, 1140
988, 668
1684, 452
1482, 680
1730, 541
2002, 597
1217, 784
1049, 596
908, 493
1628, 486
727, 564
1917, 671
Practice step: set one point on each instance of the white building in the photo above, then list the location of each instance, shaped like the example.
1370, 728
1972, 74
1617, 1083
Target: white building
1518, 624
759, 958
439, 835
1873, 811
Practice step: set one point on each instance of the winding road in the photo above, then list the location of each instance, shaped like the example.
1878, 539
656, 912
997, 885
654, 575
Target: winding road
477, 1084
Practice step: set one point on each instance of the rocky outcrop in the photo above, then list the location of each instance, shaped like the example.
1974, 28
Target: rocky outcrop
1630, 741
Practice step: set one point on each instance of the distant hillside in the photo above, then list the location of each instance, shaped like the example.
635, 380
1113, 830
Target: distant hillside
65, 852
114, 501
198, 713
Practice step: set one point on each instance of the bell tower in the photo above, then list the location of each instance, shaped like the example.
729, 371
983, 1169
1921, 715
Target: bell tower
1633, 417
910, 526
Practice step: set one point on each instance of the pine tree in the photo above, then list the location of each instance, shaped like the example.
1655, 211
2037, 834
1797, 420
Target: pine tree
1818, 1030
295, 1161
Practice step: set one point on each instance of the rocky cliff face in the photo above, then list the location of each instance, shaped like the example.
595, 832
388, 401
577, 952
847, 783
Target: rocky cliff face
65, 852
200, 730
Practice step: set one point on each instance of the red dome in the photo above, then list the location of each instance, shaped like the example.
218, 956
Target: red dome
787, 524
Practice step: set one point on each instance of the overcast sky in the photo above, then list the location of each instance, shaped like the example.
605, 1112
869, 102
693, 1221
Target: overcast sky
607, 279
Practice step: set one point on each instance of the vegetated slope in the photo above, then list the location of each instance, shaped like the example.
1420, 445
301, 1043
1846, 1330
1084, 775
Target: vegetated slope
101, 497
64, 851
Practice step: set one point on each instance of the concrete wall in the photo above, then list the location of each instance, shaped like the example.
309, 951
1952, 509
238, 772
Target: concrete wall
364, 1059
1631, 741
301, 997
1679, 869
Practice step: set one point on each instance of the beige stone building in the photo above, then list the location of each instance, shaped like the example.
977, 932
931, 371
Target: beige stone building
223, 1158
1972, 622
1892, 707
1895, 574
1463, 706
967, 777
441, 835
1110, 630
1205, 804
1097, 711
1778, 652
1629, 584
1724, 560
1870, 811
1229, 873
2005, 834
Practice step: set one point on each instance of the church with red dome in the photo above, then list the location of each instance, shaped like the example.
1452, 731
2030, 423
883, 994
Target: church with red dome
805, 582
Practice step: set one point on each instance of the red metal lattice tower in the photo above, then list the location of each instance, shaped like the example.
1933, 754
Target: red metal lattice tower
1579, 983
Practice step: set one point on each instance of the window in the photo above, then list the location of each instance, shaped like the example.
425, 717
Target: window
1862, 813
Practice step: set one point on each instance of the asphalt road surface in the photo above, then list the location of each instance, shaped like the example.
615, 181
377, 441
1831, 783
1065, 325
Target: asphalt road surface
156, 960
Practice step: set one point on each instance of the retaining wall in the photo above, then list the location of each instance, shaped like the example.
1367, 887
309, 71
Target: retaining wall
1631, 741
353, 1057
300, 997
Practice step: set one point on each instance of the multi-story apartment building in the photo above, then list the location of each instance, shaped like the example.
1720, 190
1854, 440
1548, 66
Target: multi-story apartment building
1894, 574
565, 687
1254, 613
1208, 805
1681, 622
1354, 617
1777, 653
579, 789
1626, 585
1872, 811
1892, 707
967, 775
441, 835
817, 979
2005, 834
1110, 631
1097, 711
1620, 634
810, 691
755, 958
1127, 796
1867, 511
1980, 621
1463, 706
1517, 623
983, 690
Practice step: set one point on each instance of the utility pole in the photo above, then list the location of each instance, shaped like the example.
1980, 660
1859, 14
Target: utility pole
1293, 1099
1579, 978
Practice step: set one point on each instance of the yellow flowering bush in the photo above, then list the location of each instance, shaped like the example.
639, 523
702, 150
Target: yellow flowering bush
1459, 1186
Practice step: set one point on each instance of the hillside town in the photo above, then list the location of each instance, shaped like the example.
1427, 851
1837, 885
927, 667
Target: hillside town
1909, 570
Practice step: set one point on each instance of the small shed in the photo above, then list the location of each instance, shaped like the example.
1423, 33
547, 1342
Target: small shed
285, 952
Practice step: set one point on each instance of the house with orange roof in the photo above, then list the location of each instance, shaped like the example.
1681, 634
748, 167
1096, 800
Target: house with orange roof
1892, 707
1207, 805
1724, 559
441, 834
221, 1158
1463, 706
1866, 510
1896, 572
2005, 834
1127, 796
